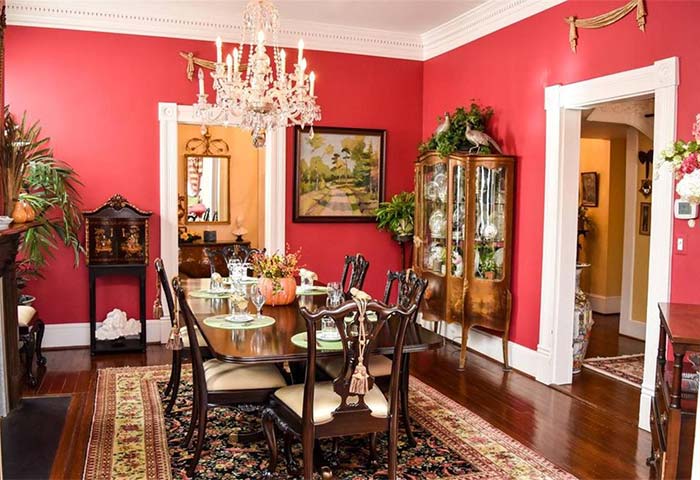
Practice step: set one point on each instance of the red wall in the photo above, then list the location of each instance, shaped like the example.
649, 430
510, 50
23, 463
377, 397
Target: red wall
509, 71
96, 96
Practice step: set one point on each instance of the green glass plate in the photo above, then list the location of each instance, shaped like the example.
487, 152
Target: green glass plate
300, 341
221, 321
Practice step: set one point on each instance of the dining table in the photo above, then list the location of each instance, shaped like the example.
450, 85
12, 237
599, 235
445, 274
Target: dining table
275, 342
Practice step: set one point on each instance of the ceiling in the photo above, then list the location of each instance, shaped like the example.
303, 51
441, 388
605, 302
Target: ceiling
404, 16
412, 29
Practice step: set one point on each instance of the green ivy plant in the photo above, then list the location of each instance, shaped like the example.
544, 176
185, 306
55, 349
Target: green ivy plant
396, 216
453, 138
49, 186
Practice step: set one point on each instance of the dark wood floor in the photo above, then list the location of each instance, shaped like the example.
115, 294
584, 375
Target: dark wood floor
578, 436
597, 390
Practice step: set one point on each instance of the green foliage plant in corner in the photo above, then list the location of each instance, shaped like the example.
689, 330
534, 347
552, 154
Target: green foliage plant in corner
48, 185
453, 139
396, 216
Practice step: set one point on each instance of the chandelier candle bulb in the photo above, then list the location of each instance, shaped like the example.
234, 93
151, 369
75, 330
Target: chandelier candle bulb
283, 64
200, 75
218, 49
301, 51
235, 61
261, 39
229, 66
312, 80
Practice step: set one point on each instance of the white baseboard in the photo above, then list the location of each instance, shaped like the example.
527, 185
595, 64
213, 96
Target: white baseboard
521, 358
604, 305
78, 334
633, 328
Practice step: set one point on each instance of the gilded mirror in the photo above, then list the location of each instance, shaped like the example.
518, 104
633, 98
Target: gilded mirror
207, 180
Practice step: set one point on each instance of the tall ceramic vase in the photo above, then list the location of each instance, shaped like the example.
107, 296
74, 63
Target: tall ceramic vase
583, 321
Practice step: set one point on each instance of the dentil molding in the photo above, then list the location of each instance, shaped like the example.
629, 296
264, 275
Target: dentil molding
140, 18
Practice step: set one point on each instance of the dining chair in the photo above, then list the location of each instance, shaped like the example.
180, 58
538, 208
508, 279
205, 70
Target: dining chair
217, 383
354, 273
409, 291
173, 387
316, 410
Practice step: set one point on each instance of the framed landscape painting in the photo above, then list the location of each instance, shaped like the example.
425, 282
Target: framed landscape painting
338, 174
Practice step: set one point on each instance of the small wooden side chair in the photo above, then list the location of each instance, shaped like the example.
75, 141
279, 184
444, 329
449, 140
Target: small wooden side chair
316, 410
31, 334
218, 383
171, 390
410, 289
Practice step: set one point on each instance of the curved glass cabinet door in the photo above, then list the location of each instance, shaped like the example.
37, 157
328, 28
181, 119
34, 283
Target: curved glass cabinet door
434, 218
489, 222
458, 220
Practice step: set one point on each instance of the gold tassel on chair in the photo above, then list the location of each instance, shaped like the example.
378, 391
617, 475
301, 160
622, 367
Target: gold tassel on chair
359, 383
175, 339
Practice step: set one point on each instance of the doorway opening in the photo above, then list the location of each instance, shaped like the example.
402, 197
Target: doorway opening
563, 105
612, 258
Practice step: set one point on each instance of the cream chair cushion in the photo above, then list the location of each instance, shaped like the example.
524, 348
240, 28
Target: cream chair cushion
229, 376
326, 401
25, 313
379, 366
186, 340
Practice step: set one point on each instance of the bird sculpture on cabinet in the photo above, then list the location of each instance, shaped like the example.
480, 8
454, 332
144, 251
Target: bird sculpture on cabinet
479, 139
444, 126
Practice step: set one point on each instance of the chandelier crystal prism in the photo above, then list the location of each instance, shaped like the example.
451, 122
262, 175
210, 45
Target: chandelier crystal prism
255, 96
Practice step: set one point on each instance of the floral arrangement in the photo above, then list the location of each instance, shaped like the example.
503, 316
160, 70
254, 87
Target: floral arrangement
276, 266
187, 237
683, 158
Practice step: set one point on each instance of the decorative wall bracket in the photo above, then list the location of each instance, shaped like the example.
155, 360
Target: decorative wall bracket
205, 145
605, 19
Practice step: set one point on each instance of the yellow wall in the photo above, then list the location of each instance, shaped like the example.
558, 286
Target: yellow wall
603, 246
246, 172
640, 277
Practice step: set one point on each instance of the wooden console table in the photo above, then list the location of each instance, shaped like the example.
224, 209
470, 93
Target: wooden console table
193, 263
673, 411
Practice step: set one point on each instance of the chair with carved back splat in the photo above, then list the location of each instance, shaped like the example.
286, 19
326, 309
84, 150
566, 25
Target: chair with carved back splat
221, 383
316, 410
354, 273
409, 291
171, 390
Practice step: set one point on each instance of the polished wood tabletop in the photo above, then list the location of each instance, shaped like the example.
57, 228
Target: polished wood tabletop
274, 343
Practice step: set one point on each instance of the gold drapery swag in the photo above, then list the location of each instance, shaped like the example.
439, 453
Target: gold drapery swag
208, 64
605, 19
192, 61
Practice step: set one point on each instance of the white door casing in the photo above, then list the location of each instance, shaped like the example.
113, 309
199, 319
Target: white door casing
169, 116
561, 202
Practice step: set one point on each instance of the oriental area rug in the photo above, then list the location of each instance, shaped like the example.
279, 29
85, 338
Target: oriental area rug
625, 368
132, 438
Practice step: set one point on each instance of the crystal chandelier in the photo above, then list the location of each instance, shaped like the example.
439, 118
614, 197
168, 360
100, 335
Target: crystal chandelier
254, 96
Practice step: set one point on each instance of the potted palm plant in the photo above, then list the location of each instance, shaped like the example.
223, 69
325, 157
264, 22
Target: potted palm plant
396, 216
42, 187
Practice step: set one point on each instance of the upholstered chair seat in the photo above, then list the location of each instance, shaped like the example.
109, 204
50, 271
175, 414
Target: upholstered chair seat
326, 401
25, 314
379, 366
186, 340
229, 376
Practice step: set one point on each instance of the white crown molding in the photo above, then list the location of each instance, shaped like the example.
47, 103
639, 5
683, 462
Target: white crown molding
483, 20
141, 19
111, 16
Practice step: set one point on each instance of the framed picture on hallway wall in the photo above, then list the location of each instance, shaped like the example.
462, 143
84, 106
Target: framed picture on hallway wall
589, 189
645, 218
338, 174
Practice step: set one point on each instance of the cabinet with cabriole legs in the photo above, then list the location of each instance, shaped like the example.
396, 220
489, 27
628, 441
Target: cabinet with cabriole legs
463, 241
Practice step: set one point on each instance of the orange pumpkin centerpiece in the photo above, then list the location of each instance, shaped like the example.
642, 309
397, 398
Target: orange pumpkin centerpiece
276, 274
